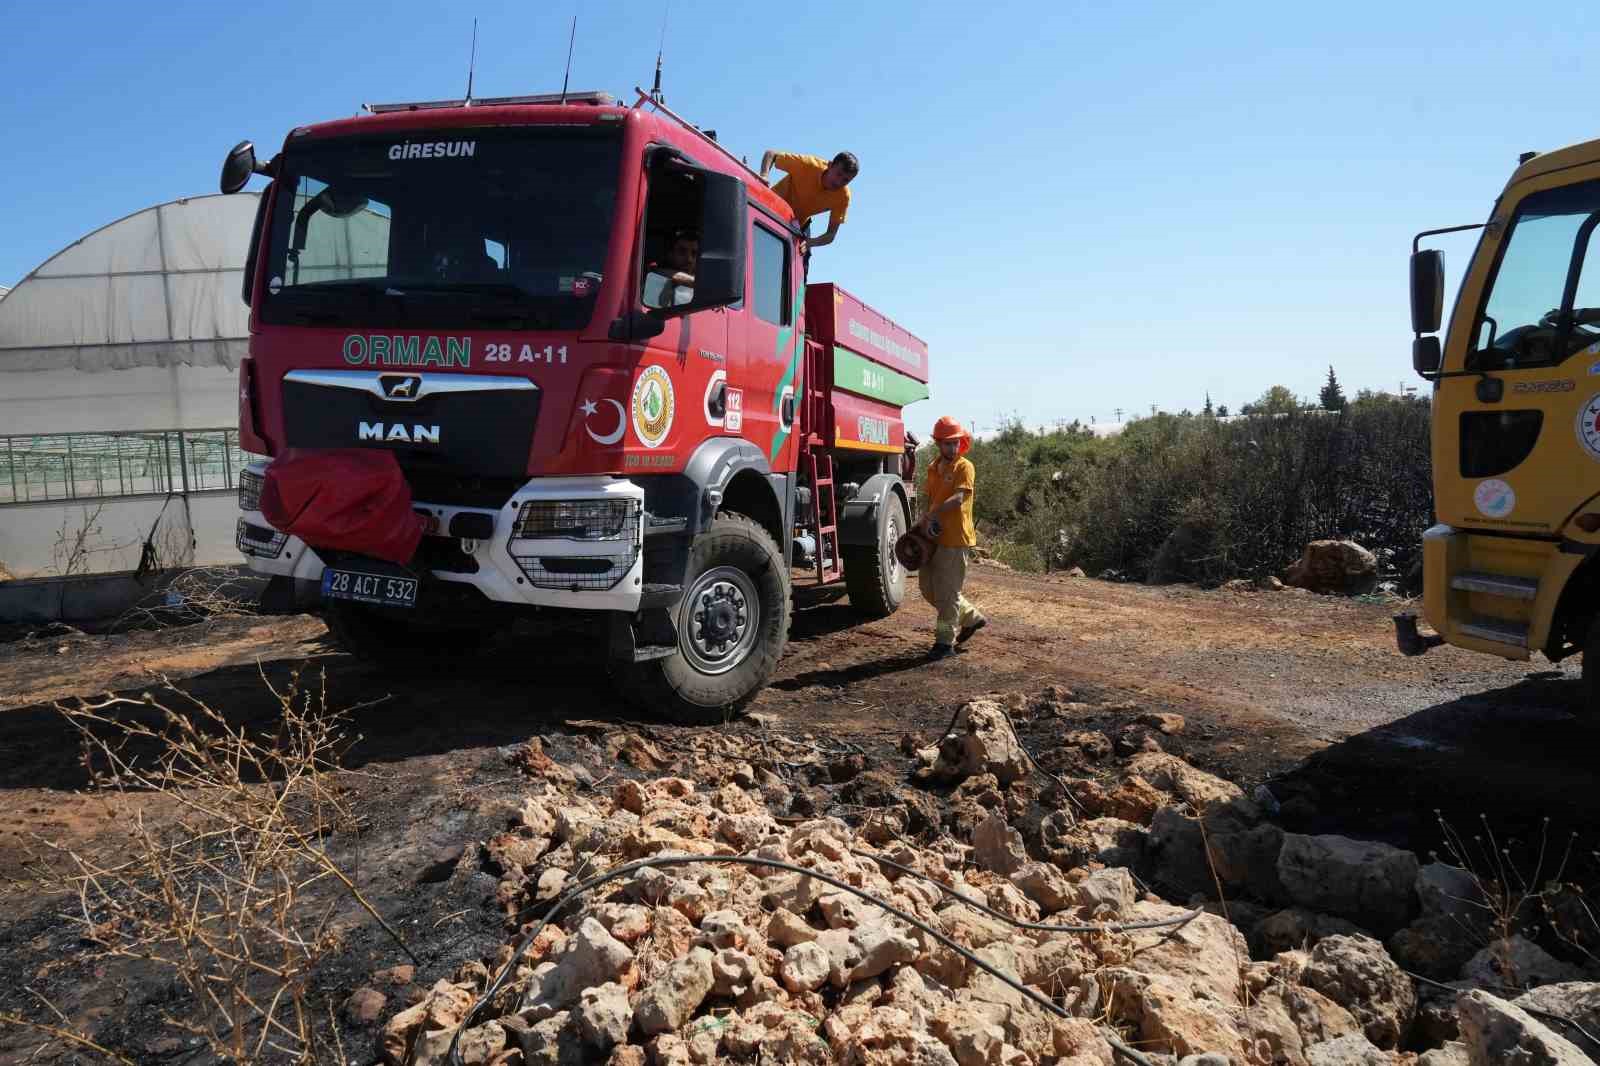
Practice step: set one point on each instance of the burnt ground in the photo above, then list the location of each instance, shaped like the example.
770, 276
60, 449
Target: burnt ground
1303, 693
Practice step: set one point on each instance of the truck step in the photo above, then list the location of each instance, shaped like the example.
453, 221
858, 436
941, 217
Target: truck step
1497, 630
1512, 588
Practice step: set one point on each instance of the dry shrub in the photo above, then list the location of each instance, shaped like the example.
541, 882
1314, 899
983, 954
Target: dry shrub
194, 595
234, 896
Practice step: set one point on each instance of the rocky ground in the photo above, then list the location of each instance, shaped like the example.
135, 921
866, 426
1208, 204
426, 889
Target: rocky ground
1327, 932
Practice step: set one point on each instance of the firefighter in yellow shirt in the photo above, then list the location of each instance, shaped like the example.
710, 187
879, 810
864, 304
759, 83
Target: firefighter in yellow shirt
811, 186
948, 490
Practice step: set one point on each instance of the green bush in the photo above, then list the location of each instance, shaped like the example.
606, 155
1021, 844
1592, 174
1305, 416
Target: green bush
1192, 498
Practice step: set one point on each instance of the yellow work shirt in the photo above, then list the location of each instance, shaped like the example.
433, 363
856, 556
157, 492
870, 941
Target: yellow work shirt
942, 481
802, 188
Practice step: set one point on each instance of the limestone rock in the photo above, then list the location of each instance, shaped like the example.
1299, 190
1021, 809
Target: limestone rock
1112, 888
1517, 963
1043, 883
1351, 1050
1367, 882
1576, 1001
602, 1016
479, 1045
998, 847
1435, 946
805, 967
982, 743
592, 957
671, 1000
1498, 1033
1356, 973
1293, 928
444, 1007
1334, 567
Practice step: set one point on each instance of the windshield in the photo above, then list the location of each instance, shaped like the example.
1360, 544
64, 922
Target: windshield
442, 229
1544, 305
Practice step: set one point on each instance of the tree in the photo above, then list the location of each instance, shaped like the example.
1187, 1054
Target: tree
1207, 410
1276, 400
1222, 411
1332, 396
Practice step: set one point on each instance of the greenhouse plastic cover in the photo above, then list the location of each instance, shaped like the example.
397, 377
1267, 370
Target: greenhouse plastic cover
159, 288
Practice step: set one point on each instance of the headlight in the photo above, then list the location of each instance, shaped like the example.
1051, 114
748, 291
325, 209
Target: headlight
577, 520
250, 484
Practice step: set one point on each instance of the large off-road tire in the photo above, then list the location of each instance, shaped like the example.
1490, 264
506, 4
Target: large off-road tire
377, 636
732, 625
872, 573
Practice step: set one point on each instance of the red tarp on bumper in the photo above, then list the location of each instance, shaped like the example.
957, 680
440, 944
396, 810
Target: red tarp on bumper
347, 500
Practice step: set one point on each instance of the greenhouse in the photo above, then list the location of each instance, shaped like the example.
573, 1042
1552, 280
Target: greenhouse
118, 394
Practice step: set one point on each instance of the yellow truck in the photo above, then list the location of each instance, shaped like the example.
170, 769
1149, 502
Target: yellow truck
1512, 567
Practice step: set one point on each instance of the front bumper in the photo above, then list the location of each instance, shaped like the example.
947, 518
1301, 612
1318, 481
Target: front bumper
547, 571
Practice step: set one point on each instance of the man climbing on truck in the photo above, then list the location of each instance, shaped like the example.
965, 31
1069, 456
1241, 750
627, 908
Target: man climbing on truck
948, 488
811, 186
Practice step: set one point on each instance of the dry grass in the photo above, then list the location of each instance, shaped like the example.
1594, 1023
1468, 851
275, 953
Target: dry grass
235, 897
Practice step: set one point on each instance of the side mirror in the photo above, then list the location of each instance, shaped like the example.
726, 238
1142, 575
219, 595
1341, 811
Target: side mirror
1427, 290
1425, 357
237, 168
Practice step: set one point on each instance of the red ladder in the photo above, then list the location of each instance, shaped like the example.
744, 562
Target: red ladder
826, 525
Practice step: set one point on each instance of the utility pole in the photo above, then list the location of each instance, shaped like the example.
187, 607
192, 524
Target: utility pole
1118, 412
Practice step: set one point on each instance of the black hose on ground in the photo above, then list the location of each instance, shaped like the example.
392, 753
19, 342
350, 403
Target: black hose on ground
453, 1055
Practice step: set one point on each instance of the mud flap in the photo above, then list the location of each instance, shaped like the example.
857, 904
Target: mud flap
650, 632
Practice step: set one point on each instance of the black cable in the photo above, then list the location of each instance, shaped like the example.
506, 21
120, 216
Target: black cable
1100, 927
572, 894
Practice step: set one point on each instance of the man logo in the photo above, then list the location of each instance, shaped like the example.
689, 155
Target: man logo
400, 386
390, 433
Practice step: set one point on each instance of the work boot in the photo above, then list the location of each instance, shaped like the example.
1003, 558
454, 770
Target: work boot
971, 628
940, 651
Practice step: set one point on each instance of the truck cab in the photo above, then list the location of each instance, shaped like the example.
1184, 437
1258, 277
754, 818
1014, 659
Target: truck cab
473, 287
1510, 568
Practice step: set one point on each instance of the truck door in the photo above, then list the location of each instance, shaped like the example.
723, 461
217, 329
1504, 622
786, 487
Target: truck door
773, 343
1509, 443
692, 348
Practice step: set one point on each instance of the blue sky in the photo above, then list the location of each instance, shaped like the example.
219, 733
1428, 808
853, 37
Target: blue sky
1081, 207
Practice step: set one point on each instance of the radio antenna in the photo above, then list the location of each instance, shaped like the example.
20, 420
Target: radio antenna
570, 42
471, 63
655, 91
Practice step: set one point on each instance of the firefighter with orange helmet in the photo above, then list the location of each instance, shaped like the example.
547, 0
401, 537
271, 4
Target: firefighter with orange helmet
948, 490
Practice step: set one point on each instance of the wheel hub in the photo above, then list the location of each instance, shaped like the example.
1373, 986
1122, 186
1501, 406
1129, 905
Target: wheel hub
719, 624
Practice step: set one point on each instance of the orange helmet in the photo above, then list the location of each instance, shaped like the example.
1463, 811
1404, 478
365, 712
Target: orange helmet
947, 428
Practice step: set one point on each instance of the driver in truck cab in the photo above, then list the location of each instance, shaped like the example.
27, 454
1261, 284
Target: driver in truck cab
672, 283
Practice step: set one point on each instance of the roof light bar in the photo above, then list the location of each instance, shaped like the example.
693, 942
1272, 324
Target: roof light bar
593, 98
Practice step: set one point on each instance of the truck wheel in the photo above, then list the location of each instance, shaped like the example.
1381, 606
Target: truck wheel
872, 574
732, 622
376, 636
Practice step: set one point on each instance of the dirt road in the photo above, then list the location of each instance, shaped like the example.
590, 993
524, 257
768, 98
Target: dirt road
1301, 690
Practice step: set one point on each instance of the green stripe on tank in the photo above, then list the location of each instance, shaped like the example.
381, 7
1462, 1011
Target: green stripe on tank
858, 374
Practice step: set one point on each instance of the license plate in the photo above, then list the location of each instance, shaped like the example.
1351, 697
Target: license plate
382, 590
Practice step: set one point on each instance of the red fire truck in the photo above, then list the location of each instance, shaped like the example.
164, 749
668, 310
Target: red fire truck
467, 286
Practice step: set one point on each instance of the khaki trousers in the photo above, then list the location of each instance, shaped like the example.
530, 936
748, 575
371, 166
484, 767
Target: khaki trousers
940, 580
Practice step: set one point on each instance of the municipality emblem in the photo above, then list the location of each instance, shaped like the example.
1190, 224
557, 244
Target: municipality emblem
653, 405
